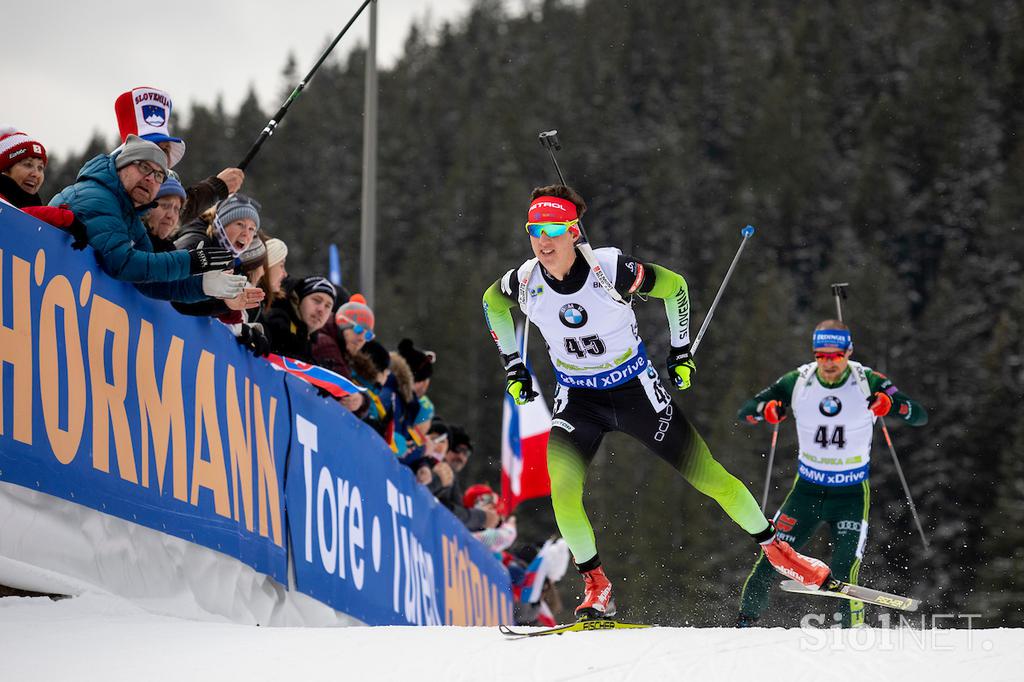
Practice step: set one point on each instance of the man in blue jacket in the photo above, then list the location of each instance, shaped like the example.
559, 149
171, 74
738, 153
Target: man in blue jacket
110, 196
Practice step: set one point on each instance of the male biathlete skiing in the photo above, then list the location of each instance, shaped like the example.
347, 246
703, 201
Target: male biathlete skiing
835, 403
606, 383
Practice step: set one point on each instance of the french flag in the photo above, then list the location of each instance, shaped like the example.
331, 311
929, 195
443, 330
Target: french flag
524, 446
332, 382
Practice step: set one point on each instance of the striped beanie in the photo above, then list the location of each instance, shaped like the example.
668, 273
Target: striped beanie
16, 146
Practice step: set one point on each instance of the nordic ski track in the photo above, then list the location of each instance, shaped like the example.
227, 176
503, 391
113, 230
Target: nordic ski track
98, 637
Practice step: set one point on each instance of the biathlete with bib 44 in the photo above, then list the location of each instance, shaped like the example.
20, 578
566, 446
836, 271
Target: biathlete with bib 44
605, 381
835, 403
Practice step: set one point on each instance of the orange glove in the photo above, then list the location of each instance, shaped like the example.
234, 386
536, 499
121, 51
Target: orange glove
774, 411
880, 404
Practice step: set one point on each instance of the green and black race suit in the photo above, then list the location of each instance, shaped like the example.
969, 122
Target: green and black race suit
606, 383
834, 427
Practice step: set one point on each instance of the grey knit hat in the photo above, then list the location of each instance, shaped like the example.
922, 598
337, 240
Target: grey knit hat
238, 207
253, 256
136, 149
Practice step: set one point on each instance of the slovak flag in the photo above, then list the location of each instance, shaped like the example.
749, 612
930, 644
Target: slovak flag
332, 382
524, 446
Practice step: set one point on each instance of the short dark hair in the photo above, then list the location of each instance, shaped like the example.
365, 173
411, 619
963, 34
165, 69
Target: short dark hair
562, 192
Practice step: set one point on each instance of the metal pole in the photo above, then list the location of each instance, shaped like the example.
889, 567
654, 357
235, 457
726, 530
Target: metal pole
368, 228
747, 233
839, 291
272, 124
771, 460
903, 480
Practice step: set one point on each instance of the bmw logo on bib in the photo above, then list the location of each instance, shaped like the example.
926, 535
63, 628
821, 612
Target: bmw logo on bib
830, 406
573, 315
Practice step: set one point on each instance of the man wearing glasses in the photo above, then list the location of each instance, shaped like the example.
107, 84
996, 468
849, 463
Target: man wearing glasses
835, 403
606, 383
110, 196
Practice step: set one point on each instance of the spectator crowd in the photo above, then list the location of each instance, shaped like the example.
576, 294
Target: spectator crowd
202, 247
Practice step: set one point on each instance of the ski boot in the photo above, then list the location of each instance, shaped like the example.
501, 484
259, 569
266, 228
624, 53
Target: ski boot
808, 571
597, 596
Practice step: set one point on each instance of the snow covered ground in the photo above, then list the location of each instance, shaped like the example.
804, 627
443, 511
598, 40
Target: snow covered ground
98, 637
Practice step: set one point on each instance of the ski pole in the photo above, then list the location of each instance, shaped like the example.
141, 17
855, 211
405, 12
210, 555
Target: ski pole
903, 480
747, 233
549, 140
273, 122
839, 291
771, 459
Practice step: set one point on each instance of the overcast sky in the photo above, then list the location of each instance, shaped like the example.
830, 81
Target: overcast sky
64, 62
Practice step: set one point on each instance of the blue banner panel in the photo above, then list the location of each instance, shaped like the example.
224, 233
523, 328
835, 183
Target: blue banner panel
370, 541
115, 401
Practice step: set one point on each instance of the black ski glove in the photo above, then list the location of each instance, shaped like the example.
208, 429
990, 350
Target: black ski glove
255, 340
518, 382
209, 259
680, 366
77, 230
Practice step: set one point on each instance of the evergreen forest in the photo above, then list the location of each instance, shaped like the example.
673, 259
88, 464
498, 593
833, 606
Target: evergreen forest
874, 143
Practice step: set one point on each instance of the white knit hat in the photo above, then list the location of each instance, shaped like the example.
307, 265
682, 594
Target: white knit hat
277, 251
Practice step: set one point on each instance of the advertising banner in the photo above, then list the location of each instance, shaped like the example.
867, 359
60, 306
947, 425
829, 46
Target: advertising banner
368, 540
115, 401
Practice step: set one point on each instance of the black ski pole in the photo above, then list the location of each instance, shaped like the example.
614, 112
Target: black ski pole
549, 140
273, 122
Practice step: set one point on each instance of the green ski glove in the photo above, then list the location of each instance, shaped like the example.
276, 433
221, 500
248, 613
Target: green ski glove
680, 366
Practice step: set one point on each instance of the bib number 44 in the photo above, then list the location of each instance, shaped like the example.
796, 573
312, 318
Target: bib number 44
838, 437
584, 345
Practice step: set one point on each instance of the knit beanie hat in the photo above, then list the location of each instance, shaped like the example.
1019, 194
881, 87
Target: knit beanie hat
315, 284
354, 312
378, 354
172, 188
252, 257
16, 145
421, 362
277, 251
146, 112
238, 207
475, 492
136, 149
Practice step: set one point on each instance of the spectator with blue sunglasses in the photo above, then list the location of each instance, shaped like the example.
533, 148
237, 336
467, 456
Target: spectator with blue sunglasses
340, 339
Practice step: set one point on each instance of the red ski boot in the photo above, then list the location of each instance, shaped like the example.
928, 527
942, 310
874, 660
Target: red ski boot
597, 596
808, 571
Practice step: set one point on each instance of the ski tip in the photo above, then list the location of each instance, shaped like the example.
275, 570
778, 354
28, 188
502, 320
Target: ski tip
747, 231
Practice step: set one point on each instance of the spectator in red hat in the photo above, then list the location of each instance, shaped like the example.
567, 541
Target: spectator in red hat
146, 112
22, 171
344, 335
338, 341
502, 536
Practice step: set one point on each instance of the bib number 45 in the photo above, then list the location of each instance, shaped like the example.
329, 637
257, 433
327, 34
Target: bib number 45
584, 345
838, 437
